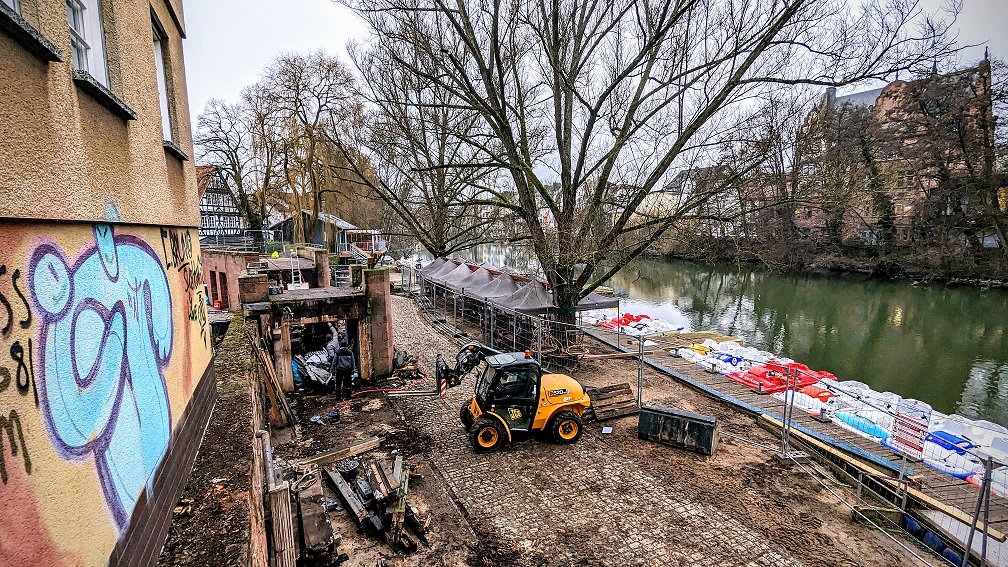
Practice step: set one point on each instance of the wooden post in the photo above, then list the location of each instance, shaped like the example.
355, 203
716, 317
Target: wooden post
282, 348
285, 549
259, 552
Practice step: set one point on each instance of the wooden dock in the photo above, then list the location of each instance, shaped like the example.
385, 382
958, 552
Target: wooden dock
860, 459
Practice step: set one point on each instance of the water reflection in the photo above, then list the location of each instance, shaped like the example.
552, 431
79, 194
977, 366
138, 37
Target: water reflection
946, 346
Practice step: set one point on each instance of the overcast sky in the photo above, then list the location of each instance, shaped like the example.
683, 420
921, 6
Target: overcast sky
229, 42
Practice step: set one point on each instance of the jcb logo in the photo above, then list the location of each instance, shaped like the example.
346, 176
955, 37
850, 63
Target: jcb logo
515, 413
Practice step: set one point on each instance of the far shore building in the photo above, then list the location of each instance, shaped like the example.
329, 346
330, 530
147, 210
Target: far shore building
104, 331
922, 135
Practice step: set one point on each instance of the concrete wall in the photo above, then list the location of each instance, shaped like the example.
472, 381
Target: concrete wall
105, 344
232, 264
65, 156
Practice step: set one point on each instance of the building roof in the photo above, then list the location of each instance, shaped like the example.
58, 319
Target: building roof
204, 173
324, 217
865, 98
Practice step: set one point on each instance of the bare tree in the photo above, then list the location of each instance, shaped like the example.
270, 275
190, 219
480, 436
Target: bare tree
613, 97
428, 171
308, 91
242, 140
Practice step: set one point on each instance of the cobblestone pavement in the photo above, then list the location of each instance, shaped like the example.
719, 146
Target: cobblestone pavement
591, 503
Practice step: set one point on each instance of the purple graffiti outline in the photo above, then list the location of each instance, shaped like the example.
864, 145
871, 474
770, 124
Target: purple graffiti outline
100, 442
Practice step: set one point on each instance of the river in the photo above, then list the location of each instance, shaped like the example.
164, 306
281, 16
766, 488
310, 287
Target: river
943, 345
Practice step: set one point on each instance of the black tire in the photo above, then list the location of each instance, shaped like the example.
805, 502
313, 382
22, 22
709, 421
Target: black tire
565, 427
466, 416
486, 435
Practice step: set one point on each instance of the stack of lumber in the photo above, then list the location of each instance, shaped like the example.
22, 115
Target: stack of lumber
609, 402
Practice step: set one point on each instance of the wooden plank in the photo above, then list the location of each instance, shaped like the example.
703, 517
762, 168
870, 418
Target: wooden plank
616, 355
392, 477
319, 540
616, 404
280, 412
255, 399
321, 459
616, 413
348, 496
914, 493
396, 535
259, 554
610, 388
285, 549
609, 395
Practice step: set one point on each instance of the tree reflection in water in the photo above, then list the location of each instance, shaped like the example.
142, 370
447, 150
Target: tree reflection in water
943, 345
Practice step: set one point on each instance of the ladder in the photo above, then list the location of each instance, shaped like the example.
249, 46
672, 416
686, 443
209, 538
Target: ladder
296, 281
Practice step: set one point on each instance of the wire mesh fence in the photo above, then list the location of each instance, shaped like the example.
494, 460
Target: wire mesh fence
554, 344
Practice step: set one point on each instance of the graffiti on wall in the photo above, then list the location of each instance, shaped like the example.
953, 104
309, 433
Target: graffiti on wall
104, 339
177, 247
15, 365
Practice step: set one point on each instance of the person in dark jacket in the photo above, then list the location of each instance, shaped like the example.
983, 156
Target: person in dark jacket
344, 367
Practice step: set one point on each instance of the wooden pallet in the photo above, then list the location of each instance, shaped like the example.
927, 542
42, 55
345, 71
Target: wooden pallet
610, 402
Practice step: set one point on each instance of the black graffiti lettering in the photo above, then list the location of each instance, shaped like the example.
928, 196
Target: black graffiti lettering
23, 374
10, 312
164, 249
178, 252
9, 424
5, 379
26, 322
198, 314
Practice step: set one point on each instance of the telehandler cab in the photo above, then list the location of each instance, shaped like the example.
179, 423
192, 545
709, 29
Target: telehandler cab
513, 398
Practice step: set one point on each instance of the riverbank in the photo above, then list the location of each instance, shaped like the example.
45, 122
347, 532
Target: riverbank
944, 345
947, 268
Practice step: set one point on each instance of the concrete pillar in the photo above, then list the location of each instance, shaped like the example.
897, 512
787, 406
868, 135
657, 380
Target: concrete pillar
322, 267
282, 348
364, 349
379, 303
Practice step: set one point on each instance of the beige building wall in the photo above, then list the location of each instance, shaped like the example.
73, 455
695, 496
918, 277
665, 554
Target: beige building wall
106, 380
66, 156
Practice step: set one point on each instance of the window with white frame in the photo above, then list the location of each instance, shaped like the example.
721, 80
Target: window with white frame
162, 80
87, 38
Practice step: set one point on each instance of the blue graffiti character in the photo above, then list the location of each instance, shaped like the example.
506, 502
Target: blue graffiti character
105, 339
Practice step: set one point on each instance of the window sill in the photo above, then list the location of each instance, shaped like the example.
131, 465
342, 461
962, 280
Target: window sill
100, 93
30, 38
175, 150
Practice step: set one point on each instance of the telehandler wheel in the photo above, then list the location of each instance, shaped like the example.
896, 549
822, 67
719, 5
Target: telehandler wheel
466, 416
486, 435
565, 427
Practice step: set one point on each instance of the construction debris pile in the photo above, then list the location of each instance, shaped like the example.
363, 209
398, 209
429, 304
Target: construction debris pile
371, 490
375, 495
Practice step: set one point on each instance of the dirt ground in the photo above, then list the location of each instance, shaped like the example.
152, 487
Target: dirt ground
370, 415
211, 520
613, 499
610, 499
